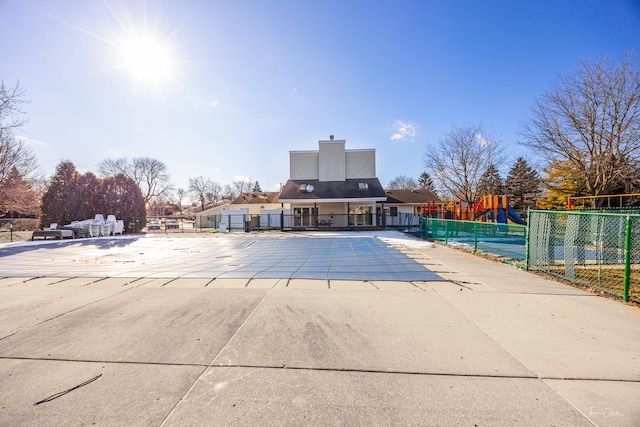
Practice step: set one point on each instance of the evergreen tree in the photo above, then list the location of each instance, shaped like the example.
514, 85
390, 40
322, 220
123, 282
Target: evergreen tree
522, 183
490, 181
426, 182
61, 200
256, 188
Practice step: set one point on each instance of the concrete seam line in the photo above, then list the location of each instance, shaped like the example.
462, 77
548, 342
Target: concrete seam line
215, 357
111, 362
81, 307
434, 374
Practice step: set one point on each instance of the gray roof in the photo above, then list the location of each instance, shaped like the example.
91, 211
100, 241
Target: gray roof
416, 197
360, 188
263, 197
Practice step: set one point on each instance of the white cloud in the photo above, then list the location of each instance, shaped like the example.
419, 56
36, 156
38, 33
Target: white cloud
242, 178
484, 142
29, 140
404, 131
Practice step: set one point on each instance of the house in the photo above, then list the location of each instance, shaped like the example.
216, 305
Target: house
256, 202
333, 187
210, 218
402, 203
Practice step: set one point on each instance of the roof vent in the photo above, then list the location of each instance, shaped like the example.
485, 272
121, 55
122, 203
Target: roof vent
331, 137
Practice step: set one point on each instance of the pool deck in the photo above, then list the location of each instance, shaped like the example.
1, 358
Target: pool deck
298, 329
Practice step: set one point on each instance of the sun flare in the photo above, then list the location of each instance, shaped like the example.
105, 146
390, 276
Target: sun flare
147, 61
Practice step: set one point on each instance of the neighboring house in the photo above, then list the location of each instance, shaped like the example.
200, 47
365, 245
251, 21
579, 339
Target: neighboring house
256, 202
409, 202
333, 187
210, 218
264, 209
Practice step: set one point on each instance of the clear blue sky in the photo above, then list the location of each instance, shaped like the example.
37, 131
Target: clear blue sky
225, 89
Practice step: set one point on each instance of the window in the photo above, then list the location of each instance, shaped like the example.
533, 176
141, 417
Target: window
363, 186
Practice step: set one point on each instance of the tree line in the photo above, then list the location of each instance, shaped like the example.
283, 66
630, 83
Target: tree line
522, 182
585, 131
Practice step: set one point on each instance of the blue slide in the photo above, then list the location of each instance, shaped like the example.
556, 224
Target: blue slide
509, 214
514, 217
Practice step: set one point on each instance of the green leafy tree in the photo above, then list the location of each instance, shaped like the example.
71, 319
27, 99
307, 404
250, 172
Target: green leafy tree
523, 183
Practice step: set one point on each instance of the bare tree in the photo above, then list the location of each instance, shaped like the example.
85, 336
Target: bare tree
214, 193
460, 158
149, 174
11, 113
241, 186
403, 182
227, 193
591, 119
199, 187
180, 194
17, 161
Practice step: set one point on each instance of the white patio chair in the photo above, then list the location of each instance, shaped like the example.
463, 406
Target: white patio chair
96, 228
119, 227
109, 225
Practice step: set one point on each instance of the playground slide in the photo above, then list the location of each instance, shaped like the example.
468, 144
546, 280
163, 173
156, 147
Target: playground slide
514, 217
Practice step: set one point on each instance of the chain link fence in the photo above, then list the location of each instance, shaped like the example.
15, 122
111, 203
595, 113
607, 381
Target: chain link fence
506, 241
598, 250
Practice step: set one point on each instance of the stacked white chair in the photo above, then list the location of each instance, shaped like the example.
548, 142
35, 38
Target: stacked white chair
109, 225
96, 228
119, 227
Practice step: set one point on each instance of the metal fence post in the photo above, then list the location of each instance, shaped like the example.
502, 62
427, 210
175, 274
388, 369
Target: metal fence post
446, 232
526, 240
475, 236
627, 259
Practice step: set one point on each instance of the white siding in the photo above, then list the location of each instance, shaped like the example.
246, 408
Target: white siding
332, 161
303, 165
361, 163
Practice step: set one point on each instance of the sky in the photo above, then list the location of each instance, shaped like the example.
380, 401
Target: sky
225, 89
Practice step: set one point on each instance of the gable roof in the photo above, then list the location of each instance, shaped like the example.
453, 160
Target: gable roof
417, 197
350, 189
263, 197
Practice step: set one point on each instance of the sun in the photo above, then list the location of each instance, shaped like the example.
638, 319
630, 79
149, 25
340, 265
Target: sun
147, 60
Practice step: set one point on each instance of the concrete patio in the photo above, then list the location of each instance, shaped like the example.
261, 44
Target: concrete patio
303, 329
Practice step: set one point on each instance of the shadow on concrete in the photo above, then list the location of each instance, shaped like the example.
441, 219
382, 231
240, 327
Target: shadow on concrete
97, 242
